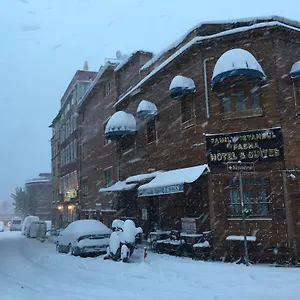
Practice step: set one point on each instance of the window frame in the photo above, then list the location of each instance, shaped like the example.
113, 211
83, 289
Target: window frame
151, 131
252, 95
188, 105
110, 172
252, 186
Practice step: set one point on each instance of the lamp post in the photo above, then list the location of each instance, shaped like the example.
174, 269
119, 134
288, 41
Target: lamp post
244, 215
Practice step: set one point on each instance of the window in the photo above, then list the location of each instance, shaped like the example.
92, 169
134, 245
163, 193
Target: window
126, 142
187, 110
107, 88
108, 177
151, 131
255, 196
255, 98
226, 102
239, 96
75, 149
72, 151
85, 190
240, 101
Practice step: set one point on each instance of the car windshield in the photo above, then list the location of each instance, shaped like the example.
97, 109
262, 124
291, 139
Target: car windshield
16, 222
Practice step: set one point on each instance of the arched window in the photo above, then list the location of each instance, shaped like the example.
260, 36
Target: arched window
237, 80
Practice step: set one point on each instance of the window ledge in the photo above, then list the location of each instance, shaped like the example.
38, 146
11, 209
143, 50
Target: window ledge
249, 113
188, 124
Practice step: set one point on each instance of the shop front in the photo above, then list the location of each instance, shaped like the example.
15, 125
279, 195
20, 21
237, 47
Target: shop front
173, 195
248, 199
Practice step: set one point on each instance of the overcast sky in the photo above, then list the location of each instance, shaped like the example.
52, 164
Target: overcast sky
44, 42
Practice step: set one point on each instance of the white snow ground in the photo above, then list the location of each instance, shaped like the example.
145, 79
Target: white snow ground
32, 270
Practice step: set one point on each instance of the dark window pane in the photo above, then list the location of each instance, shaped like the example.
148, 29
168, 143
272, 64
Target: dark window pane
240, 101
235, 203
255, 98
226, 104
263, 202
187, 110
151, 131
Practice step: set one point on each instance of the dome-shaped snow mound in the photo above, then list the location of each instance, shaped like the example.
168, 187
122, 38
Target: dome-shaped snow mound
295, 70
236, 62
120, 124
146, 109
180, 86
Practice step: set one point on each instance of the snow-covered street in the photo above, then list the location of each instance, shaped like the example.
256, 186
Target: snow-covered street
33, 270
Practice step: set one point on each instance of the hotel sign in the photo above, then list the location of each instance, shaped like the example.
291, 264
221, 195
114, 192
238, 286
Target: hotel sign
248, 146
165, 190
70, 194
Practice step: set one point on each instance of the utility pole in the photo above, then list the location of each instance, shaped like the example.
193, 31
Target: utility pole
244, 228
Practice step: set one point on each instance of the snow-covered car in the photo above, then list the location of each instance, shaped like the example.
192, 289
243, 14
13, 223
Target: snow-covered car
16, 224
37, 229
26, 224
1, 226
84, 237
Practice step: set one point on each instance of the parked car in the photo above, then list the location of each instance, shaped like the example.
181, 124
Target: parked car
2, 226
16, 224
26, 224
84, 237
37, 229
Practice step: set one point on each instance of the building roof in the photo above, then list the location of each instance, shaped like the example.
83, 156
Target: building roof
236, 22
130, 57
200, 39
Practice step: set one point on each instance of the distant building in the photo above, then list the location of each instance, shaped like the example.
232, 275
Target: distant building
64, 158
39, 191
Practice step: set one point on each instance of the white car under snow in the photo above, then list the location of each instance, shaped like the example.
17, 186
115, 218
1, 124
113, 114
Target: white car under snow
84, 237
1, 226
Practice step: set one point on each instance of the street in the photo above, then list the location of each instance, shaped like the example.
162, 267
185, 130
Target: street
30, 269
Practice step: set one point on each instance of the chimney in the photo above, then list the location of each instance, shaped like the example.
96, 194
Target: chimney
85, 66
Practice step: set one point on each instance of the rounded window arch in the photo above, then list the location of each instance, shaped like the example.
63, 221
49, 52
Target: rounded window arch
237, 79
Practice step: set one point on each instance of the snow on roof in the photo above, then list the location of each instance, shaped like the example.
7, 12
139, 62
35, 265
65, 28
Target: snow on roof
39, 180
236, 62
146, 108
141, 177
125, 61
199, 39
181, 85
178, 176
121, 121
295, 70
118, 186
82, 227
183, 37
101, 71
250, 238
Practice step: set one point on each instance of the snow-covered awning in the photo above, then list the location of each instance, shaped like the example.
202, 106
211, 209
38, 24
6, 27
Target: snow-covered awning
180, 86
146, 109
141, 177
236, 62
295, 70
249, 238
120, 124
171, 182
118, 186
